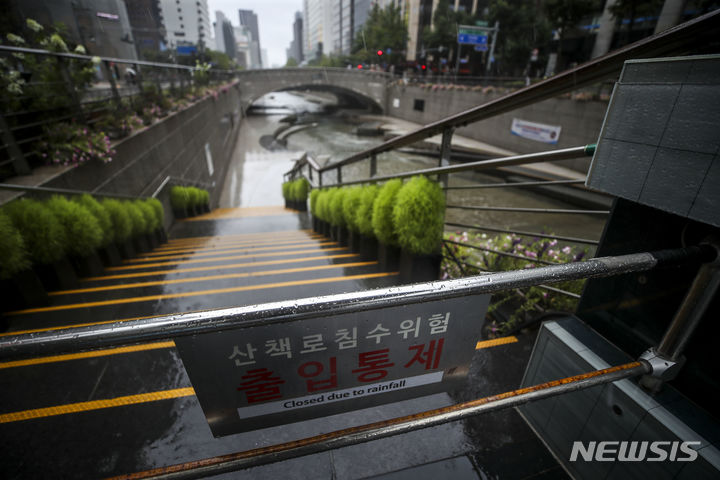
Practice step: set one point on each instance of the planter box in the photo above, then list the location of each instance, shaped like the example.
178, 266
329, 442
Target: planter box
419, 268
161, 236
88, 266
57, 276
140, 244
368, 248
301, 205
110, 255
354, 241
341, 236
151, 240
327, 229
126, 249
23, 290
315, 225
388, 257
180, 213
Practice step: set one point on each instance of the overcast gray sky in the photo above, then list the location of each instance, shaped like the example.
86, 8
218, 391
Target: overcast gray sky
275, 18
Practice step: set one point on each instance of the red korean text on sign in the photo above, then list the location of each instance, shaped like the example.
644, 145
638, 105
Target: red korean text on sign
430, 357
314, 369
372, 365
261, 385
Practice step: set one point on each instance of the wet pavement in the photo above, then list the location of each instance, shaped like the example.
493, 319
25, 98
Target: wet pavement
127, 409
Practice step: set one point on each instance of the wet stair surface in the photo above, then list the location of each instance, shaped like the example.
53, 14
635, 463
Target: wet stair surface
120, 410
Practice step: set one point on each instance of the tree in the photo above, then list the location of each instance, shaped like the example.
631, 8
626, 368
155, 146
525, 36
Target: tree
384, 30
291, 62
566, 14
220, 60
522, 28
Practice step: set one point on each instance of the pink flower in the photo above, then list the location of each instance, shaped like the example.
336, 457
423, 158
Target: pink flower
566, 250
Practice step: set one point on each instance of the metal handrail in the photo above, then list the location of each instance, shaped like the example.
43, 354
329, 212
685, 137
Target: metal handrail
181, 180
77, 56
193, 323
395, 426
64, 191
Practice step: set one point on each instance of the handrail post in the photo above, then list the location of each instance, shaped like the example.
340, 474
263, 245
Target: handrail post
373, 165
339, 174
445, 153
113, 84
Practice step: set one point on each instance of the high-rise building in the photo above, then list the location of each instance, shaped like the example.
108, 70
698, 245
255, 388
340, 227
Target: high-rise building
296, 46
224, 35
148, 30
243, 57
249, 19
317, 16
187, 23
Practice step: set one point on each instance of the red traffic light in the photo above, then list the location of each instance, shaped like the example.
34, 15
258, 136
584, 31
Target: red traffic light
379, 52
359, 66
423, 67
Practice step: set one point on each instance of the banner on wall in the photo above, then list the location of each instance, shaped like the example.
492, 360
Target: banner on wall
535, 131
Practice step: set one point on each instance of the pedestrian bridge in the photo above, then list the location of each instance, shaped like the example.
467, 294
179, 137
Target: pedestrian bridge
367, 88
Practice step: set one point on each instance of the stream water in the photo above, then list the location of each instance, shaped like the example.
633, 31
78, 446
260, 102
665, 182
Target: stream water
255, 175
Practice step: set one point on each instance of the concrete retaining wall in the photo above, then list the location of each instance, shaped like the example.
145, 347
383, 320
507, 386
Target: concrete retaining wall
174, 146
580, 120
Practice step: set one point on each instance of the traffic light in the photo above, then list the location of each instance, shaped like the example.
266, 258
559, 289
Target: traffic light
359, 66
380, 53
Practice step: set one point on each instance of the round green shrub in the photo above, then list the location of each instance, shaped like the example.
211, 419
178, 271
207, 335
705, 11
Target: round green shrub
204, 197
314, 194
44, 236
418, 216
324, 204
159, 210
350, 206
179, 198
337, 216
382, 217
300, 189
100, 214
364, 213
81, 227
287, 190
137, 219
121, 223
196, 196
151, 221
15, 256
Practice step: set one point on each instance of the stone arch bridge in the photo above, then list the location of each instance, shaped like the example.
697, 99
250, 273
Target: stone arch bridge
352, 87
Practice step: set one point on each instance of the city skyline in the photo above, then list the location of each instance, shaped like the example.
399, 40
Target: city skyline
275, 18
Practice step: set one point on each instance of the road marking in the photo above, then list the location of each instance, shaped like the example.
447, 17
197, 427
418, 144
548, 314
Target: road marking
92, 354
91, 324
211, 277
195, 254
243, 235
218, 246
495, 342
222, 259
258, 240
96, 405
201, 292
218, 267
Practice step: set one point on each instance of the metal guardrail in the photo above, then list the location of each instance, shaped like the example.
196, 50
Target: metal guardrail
63, 191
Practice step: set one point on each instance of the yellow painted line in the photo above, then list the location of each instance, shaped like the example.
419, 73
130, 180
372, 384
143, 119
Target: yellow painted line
226, 251
210, 277
241, 214
495, 342
92, 354
90, 324
245, 235
217, 291
222, 259
218, 267
217, 246
96, 405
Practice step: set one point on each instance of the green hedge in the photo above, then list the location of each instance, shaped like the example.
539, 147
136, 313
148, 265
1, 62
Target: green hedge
14, 254
157, 206
382, 218
337, 216
286, 190
351, 204
364, 213
138, 224
100, 214
43, 234
120, 218
314, 194
82, 229
296, 190
323, 206
187, 197
418, 216
151, 221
